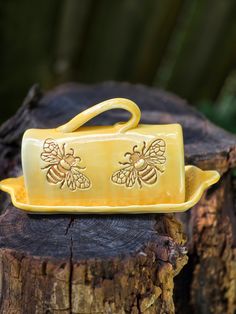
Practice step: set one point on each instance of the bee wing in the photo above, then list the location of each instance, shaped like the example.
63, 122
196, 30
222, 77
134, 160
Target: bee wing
125, 176
51, 152
52, 159
75, 179
155, 152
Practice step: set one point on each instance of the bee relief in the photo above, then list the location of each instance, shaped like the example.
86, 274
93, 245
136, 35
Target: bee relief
143, 166
63, 166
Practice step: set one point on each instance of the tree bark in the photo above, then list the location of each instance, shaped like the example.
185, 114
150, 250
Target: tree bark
119, 263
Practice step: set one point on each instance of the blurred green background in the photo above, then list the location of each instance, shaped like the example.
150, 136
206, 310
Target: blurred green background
187, 47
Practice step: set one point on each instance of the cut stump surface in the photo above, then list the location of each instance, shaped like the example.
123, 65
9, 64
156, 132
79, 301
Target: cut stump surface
116, 263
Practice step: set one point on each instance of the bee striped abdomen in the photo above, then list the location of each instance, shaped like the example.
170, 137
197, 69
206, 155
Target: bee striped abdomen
148, 174
55, 174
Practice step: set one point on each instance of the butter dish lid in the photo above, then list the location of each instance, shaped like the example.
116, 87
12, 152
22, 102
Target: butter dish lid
192, 180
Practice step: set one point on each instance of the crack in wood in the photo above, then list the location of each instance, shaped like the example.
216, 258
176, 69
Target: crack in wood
71, 276
100, 254
69, 224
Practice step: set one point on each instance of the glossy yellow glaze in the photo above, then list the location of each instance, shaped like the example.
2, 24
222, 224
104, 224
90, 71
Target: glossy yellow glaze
197, 181
124, 168
156, 178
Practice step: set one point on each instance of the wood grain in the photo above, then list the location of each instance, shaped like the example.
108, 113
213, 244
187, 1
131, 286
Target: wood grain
119, 263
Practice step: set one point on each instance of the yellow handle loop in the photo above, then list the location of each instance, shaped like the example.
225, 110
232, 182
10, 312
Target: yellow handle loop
115, 103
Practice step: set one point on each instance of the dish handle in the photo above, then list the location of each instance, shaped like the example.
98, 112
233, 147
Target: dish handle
115, 103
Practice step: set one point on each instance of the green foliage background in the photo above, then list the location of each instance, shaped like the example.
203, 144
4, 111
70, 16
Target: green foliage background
187, 47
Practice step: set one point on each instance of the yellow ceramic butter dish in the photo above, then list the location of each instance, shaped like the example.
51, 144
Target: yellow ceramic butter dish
124, 168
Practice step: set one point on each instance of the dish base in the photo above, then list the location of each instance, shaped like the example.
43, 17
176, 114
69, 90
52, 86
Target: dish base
196, 182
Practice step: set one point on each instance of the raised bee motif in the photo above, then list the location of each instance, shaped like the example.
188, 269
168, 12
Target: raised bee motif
143, 166
63, 166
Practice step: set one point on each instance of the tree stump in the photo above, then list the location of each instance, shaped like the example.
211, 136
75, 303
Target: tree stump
119, 263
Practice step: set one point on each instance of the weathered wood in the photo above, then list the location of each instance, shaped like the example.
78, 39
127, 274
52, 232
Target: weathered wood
81, 264
208, 282
121, 264
88, 264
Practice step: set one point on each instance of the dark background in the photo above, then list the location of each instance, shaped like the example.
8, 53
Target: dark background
187, 47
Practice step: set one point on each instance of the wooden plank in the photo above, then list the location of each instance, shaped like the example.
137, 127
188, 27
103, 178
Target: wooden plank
147, 51
27, 35
175, 44
122, 33
112, 25
223, 113
222, 61
74, 18
205, 28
